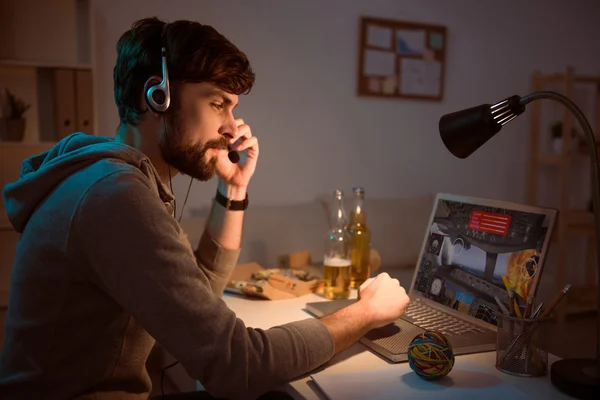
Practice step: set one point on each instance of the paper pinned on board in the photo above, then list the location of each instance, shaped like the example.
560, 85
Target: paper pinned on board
410, 41
465, 381
436, 41
379, 63
419, 77
374, 85
379, 36
389, 85
429, 55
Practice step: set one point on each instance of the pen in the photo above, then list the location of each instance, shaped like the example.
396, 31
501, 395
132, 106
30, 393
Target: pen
516, 306
511, 302
537, 310
502, 306
559, 296
529, 306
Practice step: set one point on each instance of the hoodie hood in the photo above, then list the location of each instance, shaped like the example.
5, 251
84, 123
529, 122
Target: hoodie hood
41, 173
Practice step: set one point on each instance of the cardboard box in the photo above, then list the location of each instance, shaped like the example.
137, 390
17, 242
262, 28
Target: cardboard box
276, 287
297, 259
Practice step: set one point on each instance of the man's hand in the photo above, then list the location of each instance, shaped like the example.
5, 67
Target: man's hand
234, 178
384, 299
381, 301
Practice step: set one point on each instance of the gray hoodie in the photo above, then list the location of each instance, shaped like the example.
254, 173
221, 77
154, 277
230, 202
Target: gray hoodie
103, 269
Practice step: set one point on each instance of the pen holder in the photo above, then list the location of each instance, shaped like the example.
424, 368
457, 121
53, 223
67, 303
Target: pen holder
519, 346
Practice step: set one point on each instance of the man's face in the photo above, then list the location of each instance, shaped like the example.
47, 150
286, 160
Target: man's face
199, 123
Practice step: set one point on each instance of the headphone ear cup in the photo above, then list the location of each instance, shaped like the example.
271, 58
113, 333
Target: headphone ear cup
157, 98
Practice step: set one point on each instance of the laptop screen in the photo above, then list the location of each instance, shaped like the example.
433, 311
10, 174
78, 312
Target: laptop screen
473, 248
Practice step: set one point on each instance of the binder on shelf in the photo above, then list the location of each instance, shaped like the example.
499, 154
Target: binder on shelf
64, 102
84, 101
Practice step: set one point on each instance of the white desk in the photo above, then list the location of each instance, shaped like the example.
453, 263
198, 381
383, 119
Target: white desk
265, 314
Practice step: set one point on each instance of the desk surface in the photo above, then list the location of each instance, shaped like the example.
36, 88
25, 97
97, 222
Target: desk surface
265, 314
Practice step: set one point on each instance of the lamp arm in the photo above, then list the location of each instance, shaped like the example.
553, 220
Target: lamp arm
595, 176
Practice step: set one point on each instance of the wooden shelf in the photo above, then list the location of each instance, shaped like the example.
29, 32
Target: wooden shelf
557, 158
581, 299
549, 159
580, 308
579, 223
583, 149
4, 294
42, 64
580, 218
5, 224
560, 78
27, 144
588, 79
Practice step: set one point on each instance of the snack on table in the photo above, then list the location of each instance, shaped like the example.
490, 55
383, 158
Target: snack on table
249, 287
264, 274
259, 282
296, 274
287, 272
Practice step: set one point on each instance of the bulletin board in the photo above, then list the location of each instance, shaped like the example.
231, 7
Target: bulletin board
400, 59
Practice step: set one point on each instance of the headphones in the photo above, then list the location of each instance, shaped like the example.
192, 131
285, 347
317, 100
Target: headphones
158, 97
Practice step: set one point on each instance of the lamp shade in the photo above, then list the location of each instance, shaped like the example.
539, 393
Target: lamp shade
465, 131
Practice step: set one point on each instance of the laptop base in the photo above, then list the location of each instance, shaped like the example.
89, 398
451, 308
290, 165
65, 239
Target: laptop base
392, 341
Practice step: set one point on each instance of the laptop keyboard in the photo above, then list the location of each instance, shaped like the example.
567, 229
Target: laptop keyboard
429, 318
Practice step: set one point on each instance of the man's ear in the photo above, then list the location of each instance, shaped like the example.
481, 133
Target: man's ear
154, 80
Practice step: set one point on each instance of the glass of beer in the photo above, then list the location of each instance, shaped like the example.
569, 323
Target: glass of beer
337, 276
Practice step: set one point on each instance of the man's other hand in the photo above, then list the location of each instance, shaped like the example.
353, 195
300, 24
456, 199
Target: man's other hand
384, 299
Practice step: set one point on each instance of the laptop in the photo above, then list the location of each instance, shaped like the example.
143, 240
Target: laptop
472, 246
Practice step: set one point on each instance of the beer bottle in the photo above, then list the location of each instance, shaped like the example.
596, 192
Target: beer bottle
337, 261
361, 239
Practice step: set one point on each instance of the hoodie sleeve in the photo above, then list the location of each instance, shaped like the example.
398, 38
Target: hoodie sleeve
122, 232
215, 261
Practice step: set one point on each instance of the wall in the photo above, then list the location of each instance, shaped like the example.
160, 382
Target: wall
316, 134
32, 27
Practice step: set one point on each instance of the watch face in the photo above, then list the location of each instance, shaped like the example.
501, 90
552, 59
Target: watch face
436, 287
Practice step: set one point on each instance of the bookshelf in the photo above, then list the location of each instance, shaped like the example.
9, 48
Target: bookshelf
46, 59
559, 166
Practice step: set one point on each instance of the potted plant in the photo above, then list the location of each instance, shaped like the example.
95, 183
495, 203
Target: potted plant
12, 125
557, 137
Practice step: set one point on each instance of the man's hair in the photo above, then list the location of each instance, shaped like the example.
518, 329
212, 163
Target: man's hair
195, 53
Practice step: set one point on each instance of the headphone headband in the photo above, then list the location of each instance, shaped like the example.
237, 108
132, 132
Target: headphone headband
158, 97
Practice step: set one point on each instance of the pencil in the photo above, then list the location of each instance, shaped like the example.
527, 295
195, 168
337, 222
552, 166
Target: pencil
559, 296
502, 306
517, 307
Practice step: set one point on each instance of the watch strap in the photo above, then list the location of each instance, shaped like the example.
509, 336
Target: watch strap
234, 205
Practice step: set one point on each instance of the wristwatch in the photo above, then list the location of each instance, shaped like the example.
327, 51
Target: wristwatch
234, 205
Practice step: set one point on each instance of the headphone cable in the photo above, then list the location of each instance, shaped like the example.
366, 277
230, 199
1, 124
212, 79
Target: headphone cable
171, 183
162, 377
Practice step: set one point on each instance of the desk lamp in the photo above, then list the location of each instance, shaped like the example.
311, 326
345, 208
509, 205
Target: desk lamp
465, 131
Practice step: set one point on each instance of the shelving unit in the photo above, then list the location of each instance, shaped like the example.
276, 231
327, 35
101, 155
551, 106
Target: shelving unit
572, 222
46, 59
42, 64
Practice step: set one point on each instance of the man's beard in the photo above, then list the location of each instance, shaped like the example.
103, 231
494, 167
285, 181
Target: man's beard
187, 158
